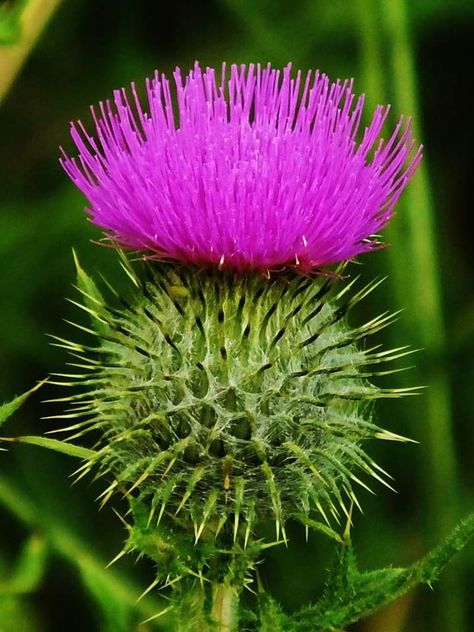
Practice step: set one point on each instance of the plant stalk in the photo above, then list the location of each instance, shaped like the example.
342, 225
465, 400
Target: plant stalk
224, 607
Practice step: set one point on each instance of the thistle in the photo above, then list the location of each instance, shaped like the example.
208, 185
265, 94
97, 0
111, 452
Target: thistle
229, 390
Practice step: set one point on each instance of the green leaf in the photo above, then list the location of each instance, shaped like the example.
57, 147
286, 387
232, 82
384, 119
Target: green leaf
352, 595
8, 408
53, 444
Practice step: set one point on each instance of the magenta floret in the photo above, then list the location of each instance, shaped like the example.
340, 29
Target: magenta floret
257, 170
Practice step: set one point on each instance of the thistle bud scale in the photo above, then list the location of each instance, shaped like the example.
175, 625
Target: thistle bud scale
227, 400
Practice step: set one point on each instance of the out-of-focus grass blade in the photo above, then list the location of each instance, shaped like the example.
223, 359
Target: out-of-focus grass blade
29, 569
65, 542
17, 615
115, 615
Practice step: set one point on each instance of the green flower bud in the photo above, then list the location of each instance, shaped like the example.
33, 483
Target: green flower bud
224, 401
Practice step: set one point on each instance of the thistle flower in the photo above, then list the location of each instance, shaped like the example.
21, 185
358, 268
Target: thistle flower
225, 398
259, 171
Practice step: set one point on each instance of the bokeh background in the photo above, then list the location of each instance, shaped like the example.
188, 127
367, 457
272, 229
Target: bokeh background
417, 55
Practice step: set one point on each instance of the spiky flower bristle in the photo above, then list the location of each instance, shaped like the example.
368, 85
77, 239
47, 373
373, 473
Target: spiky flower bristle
224, 401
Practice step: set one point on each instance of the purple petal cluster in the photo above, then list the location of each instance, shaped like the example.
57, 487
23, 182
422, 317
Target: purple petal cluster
254, 169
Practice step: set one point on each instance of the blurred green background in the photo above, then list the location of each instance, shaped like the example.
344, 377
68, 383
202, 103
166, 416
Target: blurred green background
417, 56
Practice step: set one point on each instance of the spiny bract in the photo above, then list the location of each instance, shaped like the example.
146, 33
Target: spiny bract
226, 400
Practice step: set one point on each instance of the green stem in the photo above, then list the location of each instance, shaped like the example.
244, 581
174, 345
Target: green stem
385, 31
34, 18
224, 607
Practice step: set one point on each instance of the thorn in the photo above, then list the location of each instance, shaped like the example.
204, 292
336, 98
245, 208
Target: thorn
220, 524
126, 267
247, 535
173, 581
323, 513
162, 511
140, 480
81, 327
354, 500
122, 519
201, 578
386, 435
209, 506
347, 531
170, 465
195, 478
356, 479
89, 311
236, 525
198, 575
147, 590
150, 516
200, 530
105, 495
247, 587
268, 545
82, 471
159, 614
117, 557
181, 504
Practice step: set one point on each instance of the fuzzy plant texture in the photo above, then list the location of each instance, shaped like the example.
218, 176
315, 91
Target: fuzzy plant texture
227, 393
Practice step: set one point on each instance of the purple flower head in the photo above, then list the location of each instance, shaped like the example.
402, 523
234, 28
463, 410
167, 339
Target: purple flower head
256, 170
